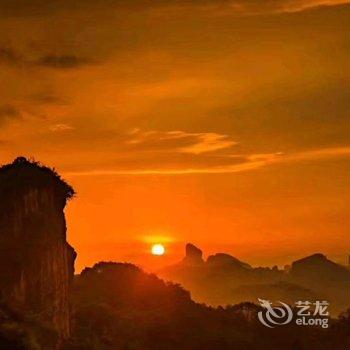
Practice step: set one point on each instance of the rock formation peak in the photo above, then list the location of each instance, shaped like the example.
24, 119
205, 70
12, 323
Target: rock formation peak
193, 255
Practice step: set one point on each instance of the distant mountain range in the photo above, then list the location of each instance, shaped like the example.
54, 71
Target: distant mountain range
223, 280
118, 306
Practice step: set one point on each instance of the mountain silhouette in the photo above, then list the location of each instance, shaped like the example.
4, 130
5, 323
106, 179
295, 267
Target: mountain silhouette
223, 280
119, 306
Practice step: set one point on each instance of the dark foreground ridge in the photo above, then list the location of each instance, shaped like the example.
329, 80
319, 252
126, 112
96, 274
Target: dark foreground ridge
118, 306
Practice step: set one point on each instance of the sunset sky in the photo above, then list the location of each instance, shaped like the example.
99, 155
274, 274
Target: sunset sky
224, 123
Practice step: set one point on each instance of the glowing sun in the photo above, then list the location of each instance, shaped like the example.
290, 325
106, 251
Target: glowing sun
158, 249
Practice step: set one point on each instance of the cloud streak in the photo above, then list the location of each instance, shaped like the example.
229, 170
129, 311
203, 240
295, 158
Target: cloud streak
43, 7
279, 6
180, 141
10, 56
251, 162
294, 6
62, 61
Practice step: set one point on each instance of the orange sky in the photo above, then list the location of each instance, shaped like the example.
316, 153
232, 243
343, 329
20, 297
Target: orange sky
222, 123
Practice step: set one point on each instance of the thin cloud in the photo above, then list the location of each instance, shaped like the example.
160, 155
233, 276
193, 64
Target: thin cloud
180, 141
318, 154
277, 6
10, 56
252, 162
209, 142
61, 127
185, 171
40, 8
295, 6
62, 61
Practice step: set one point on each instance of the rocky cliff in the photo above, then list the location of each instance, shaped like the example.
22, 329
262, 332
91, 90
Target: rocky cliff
36, 262
194, 256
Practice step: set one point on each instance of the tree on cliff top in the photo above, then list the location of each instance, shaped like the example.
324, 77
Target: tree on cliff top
23, 173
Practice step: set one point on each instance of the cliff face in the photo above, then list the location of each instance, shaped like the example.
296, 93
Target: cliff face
194, 256
36, 262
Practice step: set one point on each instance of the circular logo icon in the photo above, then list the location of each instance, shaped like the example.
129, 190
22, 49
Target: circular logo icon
274, 315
